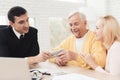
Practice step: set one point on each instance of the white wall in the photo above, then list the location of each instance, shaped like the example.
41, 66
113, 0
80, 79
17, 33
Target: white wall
114, 8
93, 10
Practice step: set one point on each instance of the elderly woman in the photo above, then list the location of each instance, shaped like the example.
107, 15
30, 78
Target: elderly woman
108, 32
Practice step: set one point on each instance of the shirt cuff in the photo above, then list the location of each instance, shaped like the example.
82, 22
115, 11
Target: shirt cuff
26, 58
99, 69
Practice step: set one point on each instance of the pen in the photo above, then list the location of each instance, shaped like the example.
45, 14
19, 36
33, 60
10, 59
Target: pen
45, 73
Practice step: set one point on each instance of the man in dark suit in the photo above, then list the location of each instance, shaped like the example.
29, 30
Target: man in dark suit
19, 39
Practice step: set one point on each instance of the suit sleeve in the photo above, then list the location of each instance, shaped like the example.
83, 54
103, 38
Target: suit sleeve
4, 52
35, 46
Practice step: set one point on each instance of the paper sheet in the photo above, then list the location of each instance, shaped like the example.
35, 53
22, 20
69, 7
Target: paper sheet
73, 76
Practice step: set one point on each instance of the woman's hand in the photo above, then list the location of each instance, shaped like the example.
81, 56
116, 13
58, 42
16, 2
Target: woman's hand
89, 60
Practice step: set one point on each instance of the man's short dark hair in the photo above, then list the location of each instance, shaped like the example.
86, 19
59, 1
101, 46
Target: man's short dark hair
15, 11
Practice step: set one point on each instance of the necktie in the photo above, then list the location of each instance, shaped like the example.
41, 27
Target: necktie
21, 36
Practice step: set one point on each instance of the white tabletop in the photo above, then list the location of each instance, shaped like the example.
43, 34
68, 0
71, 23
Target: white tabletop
57, 70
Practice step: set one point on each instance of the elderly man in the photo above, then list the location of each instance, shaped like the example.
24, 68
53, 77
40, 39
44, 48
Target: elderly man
82, 41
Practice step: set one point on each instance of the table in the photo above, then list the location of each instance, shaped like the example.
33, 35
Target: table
54, 69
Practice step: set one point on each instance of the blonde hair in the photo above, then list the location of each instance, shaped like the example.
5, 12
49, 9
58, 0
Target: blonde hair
111, 30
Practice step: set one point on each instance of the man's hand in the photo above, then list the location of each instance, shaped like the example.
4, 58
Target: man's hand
60, 62
43, 56
67, 56
64, 57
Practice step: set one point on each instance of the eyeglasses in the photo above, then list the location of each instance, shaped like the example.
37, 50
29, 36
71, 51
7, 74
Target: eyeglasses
38, 75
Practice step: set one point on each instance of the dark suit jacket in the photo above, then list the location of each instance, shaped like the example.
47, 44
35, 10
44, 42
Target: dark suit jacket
11, 46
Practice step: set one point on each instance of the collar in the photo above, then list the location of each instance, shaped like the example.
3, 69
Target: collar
17, 33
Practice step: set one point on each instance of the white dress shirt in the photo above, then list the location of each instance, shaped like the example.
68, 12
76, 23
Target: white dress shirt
113, 60
17, 33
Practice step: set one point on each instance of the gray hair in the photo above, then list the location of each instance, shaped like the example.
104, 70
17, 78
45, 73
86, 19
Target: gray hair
82, 16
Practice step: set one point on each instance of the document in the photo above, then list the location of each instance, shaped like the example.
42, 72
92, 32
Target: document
72, 76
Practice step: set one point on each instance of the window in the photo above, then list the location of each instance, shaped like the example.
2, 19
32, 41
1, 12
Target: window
59, 30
